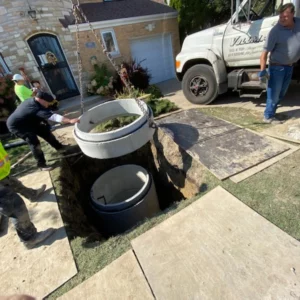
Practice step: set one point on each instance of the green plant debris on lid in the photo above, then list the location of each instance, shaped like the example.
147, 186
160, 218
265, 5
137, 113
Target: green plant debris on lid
114, 124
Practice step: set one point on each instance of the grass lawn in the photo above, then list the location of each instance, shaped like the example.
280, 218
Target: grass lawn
274, 193
27, 166
248, 118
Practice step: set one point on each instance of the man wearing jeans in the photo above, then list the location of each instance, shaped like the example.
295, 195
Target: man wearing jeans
283, 44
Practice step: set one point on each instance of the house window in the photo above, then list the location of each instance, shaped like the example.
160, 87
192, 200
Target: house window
110, 42
4, 69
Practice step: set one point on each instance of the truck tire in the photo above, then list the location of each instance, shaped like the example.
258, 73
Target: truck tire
199, 84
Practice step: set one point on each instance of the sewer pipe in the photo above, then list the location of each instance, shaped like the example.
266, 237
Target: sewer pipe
123, 197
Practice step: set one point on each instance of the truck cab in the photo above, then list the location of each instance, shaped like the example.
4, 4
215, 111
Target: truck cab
228, 56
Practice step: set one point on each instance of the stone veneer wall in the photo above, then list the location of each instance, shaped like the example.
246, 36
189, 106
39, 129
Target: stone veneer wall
16, 26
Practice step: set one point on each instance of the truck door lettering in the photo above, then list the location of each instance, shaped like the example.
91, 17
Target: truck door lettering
238, 41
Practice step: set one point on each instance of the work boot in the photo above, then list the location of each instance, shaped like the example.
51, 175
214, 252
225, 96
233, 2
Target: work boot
38, 193
38, 238
272, 121
46, 168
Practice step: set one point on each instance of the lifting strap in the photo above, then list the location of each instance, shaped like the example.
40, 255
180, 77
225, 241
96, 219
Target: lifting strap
79, 16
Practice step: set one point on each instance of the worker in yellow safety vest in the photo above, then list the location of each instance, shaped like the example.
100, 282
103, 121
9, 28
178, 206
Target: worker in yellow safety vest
4, 163
13, 206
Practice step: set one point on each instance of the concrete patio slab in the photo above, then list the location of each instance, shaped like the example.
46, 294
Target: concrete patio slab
218, 248
288, 131
122, 279
41, 270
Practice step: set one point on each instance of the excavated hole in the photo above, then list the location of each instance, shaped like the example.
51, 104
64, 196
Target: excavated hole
76, 176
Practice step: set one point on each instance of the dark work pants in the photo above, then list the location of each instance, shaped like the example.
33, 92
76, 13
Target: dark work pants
13, 206
17, 186
31, 138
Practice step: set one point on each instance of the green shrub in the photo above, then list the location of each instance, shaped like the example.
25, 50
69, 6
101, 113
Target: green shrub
125, 94
102, 81
154, 91
158, 106
161, 106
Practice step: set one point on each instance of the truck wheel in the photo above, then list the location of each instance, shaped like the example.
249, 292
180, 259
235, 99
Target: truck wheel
199, 84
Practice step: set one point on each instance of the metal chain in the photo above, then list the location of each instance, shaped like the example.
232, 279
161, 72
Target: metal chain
79, 60
77, 10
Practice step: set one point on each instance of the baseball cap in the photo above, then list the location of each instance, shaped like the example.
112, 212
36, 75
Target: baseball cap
17, 77
45, 96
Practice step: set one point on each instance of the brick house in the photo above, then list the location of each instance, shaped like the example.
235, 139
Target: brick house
40, 36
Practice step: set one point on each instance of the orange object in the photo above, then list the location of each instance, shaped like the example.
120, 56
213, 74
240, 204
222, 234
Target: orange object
178, 63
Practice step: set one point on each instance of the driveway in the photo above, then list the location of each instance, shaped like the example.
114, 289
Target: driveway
290, 105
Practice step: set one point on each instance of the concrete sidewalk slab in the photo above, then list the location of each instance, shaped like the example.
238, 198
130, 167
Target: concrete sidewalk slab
39, 271
256, 169
219, 248
288, 131
122, 279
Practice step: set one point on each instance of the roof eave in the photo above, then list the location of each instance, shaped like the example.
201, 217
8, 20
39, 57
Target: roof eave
125, 21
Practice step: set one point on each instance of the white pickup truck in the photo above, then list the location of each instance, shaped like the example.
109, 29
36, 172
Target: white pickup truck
227, 56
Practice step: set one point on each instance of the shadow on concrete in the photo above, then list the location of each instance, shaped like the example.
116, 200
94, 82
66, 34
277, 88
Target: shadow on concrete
291, 99
3, 225
59, 234
284, 115
47, 196
169, 87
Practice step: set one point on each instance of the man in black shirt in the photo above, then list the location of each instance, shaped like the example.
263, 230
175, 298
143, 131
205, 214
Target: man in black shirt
28, 122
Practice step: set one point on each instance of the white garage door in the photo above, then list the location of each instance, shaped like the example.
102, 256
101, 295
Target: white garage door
156, 54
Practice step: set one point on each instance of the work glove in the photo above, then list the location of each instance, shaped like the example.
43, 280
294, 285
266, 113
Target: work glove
263, 74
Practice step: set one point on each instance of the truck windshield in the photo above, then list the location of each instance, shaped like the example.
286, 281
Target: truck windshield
257, 9
262, 8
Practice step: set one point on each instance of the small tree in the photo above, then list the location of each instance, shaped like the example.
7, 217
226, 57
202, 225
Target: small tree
195, 15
